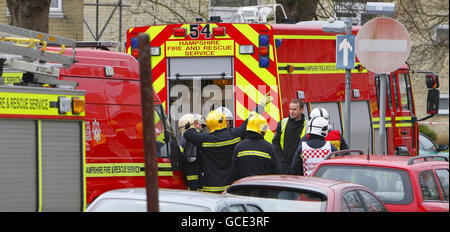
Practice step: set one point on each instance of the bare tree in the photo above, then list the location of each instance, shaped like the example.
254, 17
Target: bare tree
175, 11
304, 10
29, 14
185, 11
421, 19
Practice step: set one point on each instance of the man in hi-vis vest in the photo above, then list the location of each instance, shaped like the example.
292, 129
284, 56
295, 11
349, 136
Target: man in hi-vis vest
309, 153
288, 134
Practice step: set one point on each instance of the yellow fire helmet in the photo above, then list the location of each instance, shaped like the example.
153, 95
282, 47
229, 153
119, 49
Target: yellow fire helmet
187, 118
257, 123
215, 121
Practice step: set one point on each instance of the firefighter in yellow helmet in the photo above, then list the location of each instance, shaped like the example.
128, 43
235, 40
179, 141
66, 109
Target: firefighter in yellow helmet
217, 150
190, 160
254, 155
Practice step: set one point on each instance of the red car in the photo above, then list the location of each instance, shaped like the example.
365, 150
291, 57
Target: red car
404, 184
281, 193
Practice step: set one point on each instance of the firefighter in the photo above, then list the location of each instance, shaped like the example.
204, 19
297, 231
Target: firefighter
310, 152
288, 134
201, 120
190, 163
334, 136
228, 116
217, 150
254, 155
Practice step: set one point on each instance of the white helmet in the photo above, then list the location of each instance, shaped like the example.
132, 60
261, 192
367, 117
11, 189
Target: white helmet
227, 112
319, 112
318, 126
184, 120
200, 118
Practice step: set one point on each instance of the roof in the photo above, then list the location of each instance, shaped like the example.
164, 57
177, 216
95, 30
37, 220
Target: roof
391, 161
210, 200
310, 183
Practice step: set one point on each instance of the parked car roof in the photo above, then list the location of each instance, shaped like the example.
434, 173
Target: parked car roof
271, 192
393, 161
207, 200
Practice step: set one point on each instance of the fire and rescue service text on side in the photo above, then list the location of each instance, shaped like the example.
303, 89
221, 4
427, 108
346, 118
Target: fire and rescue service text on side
229, 222
200, 48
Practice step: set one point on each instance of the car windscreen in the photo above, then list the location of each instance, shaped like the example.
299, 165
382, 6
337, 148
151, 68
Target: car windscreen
287, 199
392, 186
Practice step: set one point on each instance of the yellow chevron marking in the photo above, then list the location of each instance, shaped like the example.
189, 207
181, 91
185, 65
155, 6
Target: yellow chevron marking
256, 95
159, 83
154, 31
266, 76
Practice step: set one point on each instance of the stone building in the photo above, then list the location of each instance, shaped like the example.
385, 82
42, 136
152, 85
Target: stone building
64, 20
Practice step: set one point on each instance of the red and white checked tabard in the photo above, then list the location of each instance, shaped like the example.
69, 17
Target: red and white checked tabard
313, 156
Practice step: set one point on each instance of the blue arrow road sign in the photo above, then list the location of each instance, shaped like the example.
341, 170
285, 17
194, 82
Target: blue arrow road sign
345, 51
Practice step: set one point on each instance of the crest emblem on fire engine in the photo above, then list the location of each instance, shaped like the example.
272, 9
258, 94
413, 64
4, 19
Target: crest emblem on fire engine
96, 131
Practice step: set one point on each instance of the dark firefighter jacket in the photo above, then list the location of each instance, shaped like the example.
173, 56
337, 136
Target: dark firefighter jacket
191, 164
314, 141
292, 135
254, 156
217, 152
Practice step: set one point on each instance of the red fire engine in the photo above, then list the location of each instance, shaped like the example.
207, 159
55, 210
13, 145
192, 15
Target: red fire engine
42, 147
113, 120
287, 61
114, 139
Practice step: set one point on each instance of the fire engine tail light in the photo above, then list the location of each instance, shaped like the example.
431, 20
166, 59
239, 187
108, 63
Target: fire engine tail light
77, 105
246, 49
135, 53
264, 51
179, 32
219, 31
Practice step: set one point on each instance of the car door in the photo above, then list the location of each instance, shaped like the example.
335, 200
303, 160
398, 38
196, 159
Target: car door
434, 188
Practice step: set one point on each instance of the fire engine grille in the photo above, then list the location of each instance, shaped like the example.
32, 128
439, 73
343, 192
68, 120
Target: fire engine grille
61, 166
18, 191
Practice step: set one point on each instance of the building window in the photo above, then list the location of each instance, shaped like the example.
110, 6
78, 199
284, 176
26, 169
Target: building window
56, 10
443, 104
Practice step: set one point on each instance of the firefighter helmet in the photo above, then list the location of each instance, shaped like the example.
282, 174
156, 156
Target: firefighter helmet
216, 121
200, 119
318, 126
227, 112
186, 120
319, 112
257, 123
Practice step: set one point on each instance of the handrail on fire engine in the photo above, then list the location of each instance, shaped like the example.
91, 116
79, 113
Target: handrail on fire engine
179, 76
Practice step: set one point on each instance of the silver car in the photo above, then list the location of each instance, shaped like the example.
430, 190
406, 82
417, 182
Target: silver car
171, 200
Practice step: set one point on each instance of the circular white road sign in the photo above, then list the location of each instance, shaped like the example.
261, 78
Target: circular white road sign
382, 45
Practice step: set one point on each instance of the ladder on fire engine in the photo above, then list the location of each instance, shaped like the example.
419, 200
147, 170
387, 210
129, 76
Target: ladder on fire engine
259, 13
26, 51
